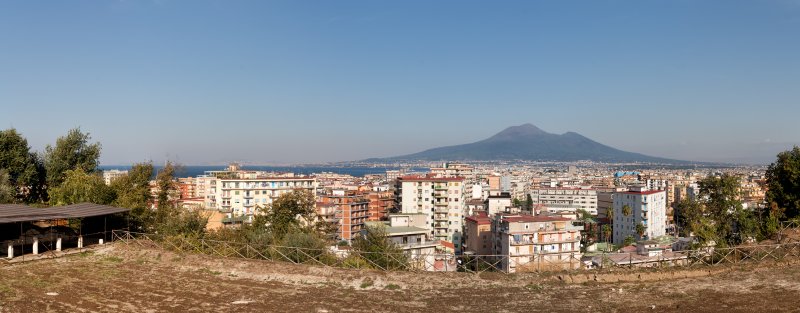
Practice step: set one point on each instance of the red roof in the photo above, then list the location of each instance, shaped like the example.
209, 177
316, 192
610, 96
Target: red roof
646, 192
429, 178
538, 218
481, 218
447, 244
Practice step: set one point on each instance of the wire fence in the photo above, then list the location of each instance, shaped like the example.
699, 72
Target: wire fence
448, 262
429, 260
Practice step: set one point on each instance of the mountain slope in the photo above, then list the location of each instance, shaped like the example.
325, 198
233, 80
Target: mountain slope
528, 142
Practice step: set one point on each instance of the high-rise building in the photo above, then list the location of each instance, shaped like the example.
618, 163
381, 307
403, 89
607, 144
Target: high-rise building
647, 207
350, 212
441, 199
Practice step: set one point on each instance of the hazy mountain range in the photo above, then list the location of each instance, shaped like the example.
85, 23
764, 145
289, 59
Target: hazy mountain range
528, 142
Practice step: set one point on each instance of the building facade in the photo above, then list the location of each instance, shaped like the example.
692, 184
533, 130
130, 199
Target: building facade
579, 198
441, 199
647, 207
530, 243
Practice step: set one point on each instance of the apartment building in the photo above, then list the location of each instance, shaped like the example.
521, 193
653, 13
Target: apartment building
240, 193
528, 243
579, 198
478, 234
380, 204
441, 199
111, 175
350, 212
648, 208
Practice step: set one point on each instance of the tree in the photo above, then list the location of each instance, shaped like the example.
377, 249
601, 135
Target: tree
516, 203
783, 183
528, 202
79, 186
607, 233
7, 191
629, 240
133, 192
640, 230
610, 214
24, 169
165, 183
71, 152
286, 212
626, 210
378, 250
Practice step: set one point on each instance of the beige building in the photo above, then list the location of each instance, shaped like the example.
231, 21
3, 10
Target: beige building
529, 243
478, 235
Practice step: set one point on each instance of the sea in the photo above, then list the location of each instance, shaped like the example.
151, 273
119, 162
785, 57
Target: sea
196, 170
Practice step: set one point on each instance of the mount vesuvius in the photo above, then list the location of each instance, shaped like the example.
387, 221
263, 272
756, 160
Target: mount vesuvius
528, 142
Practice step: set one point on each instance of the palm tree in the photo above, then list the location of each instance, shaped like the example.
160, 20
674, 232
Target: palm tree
640, 229
607, 233
626, 210
610, 214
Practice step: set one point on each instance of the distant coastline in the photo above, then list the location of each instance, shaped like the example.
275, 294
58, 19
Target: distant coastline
196, 170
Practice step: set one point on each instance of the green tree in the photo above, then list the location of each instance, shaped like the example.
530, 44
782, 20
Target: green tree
79, 186
24, 168
516, 203
629, 241
626, 210
165, 183
71, 152
528, 202
7, 190
607, 229
640, 230
133, 192
783, 183
378, 250
290, 212
610, 215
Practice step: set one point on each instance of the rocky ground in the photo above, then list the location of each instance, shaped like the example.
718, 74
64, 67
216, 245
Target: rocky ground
119, 278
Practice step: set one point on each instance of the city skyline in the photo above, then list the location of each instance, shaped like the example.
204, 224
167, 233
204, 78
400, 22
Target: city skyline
208, 82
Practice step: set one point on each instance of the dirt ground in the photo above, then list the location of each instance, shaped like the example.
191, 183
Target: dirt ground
119, 278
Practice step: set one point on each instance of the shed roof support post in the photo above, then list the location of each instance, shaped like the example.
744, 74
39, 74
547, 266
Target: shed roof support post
10, 248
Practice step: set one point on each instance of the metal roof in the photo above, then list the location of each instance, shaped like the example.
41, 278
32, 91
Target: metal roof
12, 213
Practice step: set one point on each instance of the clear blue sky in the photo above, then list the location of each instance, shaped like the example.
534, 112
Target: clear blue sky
307, 81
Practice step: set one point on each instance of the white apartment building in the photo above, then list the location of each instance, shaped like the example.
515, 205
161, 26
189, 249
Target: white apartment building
648, 207
579, 198
240, 193
441, 199
111, 175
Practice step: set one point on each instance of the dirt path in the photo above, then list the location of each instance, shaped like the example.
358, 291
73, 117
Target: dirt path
123, 279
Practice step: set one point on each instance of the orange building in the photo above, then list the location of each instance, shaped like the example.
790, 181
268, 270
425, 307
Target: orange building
351, 212
380, 204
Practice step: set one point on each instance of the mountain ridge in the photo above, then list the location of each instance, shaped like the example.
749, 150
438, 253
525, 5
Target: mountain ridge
528, 142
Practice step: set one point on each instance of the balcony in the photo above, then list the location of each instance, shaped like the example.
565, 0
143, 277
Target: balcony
440, 217
440, 188
441, 203
440, 225
441, 210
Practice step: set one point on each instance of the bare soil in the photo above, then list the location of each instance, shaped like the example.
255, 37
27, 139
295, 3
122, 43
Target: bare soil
119, 278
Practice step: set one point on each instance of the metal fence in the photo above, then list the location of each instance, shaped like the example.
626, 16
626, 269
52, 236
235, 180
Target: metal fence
444, 262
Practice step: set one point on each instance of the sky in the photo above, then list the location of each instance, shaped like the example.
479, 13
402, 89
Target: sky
276, 82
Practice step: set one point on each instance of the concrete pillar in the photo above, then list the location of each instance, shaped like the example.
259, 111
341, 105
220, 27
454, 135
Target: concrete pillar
35, 245
58, 244
10, 249
101, 241
80, 242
